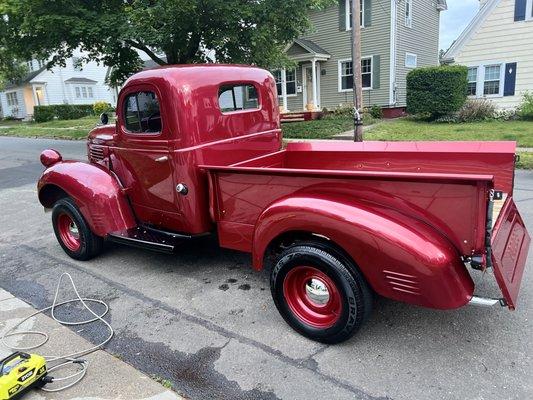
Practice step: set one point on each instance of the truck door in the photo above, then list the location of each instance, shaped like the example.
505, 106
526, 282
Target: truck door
143, 161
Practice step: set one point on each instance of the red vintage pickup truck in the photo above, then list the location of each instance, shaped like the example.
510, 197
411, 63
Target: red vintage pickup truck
198, 150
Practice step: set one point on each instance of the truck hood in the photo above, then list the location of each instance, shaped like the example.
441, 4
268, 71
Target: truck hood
102, 135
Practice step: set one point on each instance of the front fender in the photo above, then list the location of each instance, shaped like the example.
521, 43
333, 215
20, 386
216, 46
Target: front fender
402, 258
97, 193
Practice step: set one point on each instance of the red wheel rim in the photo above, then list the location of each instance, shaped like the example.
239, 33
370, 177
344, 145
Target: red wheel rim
69, 232
312, 296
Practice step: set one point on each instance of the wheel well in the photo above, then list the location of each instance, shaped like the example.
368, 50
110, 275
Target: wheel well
50, 194
287, 239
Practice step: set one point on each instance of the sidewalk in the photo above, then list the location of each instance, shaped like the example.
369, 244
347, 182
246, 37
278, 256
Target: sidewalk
107, 376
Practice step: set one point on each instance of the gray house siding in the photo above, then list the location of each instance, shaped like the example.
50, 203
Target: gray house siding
421, 39
326, 32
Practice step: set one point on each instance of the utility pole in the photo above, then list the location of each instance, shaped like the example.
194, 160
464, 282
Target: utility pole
356, 69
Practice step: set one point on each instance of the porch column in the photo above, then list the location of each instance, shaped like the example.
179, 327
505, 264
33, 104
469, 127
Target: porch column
315, 98
284, 89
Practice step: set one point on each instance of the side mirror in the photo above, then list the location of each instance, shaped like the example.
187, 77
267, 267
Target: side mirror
104, 118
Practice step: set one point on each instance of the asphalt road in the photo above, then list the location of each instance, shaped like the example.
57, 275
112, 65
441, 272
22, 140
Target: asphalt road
204, 320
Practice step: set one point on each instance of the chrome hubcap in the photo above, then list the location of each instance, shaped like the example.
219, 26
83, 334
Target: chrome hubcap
73, 229
317, 291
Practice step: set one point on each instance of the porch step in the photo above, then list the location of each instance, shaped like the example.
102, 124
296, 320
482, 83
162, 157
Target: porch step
284, 120
149, 238
292, 117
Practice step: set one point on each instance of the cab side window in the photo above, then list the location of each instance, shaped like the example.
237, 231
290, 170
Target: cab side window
141, 113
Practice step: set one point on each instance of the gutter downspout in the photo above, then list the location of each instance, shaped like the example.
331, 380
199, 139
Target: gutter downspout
393, 29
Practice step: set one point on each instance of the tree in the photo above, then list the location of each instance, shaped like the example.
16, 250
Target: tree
168, 31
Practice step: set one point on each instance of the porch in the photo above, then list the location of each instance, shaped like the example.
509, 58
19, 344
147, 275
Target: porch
300, 86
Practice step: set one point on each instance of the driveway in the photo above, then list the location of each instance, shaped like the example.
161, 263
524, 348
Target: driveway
203, 320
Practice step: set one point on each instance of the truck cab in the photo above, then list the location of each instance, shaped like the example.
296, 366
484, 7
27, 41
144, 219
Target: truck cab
198, 149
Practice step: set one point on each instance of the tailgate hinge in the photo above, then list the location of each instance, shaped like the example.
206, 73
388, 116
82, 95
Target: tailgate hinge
493, 195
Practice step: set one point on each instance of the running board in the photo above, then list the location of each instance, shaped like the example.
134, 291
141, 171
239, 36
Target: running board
148, 238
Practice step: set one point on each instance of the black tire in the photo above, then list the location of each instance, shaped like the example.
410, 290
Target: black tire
351, 290
88, 244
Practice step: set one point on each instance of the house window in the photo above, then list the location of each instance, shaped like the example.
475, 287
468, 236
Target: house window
290, 78
529, 10
30, 65
409, 13
492, 80
238, 97
411, 60
41, 63
348, 5
84, 92
472, 81
12, 99
346, 74
141, 113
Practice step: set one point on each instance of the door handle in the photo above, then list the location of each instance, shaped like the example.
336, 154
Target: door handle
162, 159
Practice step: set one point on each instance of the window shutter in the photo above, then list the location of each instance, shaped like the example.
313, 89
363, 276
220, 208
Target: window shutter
510, 79
376, 72
520, 10
342, 15
367, 17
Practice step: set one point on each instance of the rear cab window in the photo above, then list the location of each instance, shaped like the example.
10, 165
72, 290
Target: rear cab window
142, 114
238, 97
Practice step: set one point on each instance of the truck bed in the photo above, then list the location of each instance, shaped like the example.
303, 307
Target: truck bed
443, 184
333, 157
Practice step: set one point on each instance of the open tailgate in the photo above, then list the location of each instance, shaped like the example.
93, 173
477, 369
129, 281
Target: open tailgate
510, 245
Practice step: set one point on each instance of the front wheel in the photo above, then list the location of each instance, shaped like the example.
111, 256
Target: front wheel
73, 232
320, 293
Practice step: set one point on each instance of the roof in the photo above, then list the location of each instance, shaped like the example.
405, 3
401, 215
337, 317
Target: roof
311, 50
80, 80
471, 28
26, 79
311, 47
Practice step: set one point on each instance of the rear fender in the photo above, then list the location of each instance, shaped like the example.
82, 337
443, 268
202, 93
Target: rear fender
402, 258
97, 193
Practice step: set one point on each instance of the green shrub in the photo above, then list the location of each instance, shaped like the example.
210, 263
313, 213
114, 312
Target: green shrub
62, 112
344, 111
376, 112
437, 91
102, 107
476, 110
43, 113
525, 110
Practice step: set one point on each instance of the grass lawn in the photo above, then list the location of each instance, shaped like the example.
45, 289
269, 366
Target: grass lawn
321, 128
68, 129
526, 161
408, 129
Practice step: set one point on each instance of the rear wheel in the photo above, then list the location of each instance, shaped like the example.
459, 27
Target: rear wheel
73, 232
320, 293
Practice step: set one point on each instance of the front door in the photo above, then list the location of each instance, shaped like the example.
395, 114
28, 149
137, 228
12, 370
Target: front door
144, 163
39, 95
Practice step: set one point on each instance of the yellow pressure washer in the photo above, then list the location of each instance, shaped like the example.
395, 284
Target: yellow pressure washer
19, 373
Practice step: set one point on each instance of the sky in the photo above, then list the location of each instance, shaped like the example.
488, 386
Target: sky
455, 19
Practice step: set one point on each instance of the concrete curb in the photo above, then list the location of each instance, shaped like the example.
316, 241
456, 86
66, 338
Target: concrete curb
107, 376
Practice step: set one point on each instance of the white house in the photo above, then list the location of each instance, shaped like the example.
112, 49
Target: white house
497, 46
72, 84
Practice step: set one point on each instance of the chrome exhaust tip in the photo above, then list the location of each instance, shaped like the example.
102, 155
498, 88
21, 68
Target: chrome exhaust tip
485, 301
